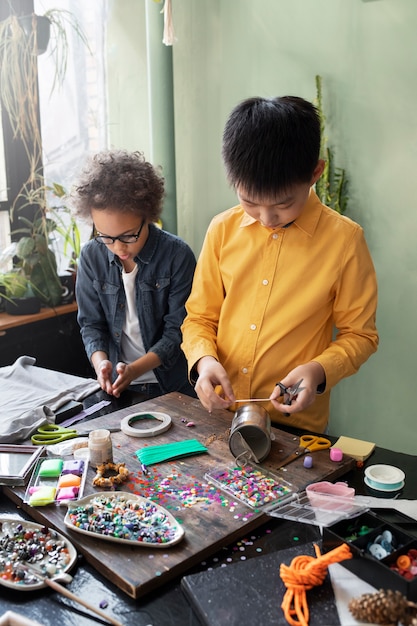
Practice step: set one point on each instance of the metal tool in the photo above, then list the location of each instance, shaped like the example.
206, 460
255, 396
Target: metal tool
307, 444
290, 393
49, 434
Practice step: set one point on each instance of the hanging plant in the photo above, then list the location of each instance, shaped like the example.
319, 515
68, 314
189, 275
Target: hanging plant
22, 38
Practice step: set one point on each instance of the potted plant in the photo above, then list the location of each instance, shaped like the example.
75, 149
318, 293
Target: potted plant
18, 295
20, 43
66, 225
36, 259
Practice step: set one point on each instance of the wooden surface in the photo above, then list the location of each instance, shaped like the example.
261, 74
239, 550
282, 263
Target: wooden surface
12, 321
209, 524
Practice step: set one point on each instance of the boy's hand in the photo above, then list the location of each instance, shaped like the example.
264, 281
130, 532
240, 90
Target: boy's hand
210, 375
312, 374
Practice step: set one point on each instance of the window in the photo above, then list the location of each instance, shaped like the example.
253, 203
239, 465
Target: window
73, 115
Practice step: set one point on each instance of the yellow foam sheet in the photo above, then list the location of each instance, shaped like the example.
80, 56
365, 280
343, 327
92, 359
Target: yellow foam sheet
357, 448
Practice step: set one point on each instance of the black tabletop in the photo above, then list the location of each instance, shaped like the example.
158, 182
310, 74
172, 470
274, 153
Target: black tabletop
168, 605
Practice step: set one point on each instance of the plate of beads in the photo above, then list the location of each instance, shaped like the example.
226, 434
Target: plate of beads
30, 552
124, 518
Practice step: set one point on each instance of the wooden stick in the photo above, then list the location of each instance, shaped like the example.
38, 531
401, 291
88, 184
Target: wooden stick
65, 592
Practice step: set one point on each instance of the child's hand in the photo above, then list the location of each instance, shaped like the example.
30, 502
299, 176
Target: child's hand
122, 382
104, 375
312, 375
212, 374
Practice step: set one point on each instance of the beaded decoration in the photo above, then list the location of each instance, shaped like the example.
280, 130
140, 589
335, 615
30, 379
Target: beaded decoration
121, 473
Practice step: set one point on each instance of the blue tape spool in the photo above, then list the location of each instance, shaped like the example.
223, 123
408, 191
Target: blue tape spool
384, 478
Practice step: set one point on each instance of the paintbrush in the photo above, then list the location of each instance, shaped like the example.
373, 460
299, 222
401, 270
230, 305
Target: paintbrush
53, 583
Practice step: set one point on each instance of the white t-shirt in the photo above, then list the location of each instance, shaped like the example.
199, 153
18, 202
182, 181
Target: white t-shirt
131, 346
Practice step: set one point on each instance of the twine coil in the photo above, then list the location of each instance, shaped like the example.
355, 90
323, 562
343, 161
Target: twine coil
304, 573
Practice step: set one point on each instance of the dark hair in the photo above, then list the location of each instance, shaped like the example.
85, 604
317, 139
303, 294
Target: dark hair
119, 180
270, 144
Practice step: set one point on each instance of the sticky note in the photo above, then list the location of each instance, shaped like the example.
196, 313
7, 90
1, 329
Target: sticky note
357, 448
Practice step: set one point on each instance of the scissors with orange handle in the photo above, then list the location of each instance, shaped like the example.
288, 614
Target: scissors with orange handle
308, 443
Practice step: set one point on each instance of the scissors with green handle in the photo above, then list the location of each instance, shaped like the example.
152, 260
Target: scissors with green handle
308, 443
49, 434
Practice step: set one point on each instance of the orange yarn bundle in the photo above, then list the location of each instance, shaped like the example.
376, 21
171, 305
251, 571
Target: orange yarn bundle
304, 573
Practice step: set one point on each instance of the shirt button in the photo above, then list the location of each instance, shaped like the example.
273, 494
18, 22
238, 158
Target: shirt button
275, 236
244, 370
265, 282
253, 326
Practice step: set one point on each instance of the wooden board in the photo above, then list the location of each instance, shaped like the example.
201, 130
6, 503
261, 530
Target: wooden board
210, 522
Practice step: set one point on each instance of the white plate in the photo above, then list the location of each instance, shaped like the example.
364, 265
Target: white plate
396, 487
8, 525
99, 500
385, 474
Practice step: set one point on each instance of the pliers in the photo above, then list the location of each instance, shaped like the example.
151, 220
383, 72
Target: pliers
290, 393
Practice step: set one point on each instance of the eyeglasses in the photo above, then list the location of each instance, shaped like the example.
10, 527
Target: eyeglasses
107, 240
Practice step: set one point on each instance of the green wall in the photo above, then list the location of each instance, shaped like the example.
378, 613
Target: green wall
365, 51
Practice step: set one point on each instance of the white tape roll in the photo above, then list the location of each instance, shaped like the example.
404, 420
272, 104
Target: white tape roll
127, 429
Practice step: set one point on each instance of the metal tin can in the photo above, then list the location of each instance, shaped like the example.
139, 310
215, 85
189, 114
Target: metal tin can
250, 433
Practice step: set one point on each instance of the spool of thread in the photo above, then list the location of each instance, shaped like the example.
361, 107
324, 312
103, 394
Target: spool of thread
384, 478
100, 447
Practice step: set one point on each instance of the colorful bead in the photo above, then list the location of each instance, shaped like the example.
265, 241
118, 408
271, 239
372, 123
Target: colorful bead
39, 546
122, 518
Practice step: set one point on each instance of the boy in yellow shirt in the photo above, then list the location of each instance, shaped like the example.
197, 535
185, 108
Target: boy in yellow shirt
277, 274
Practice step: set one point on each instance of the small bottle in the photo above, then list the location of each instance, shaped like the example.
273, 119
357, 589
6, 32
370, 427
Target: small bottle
100, 447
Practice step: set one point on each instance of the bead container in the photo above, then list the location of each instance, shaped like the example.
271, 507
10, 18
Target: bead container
384, 548
56, 481
253, 485
29, 552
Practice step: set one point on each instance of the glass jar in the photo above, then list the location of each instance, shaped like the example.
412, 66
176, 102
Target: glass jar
100, 447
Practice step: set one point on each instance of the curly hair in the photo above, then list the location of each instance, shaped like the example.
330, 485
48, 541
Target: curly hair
119, 180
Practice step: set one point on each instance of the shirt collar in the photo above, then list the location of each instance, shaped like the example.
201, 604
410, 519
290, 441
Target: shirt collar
306, 222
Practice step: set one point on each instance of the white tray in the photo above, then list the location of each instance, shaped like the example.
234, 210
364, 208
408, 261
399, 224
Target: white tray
8, 526
97, 503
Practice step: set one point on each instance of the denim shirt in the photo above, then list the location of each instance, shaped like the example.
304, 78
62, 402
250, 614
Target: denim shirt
165, 272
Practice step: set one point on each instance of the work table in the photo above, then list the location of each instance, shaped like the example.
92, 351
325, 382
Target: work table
164, 603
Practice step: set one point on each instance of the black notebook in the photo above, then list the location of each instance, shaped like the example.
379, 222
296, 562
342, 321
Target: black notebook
250, 592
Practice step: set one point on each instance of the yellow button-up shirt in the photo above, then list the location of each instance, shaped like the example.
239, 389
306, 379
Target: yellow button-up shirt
264, 301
